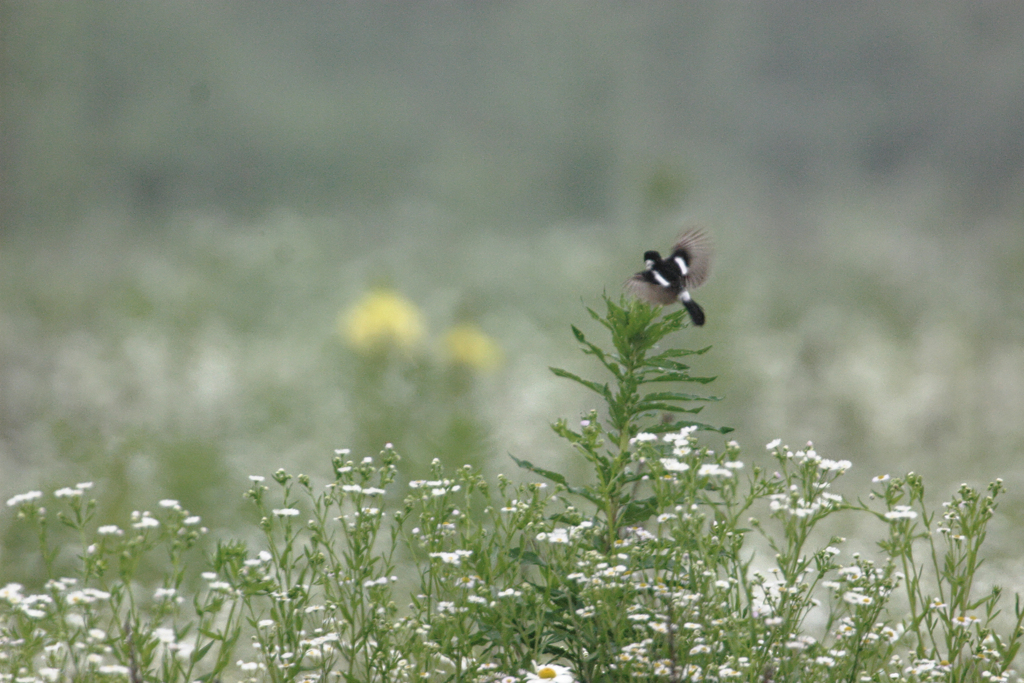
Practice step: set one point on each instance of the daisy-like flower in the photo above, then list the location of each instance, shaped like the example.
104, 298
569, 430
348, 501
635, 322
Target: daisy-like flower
712, 470
559, 535
673, 465
23, 498
550, 673
900, 512
855, 598
452, 558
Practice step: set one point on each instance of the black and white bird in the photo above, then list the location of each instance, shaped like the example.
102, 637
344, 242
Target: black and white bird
664, 281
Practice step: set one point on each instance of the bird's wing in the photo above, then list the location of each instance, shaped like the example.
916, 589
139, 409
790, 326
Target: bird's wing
648, 291
695, 246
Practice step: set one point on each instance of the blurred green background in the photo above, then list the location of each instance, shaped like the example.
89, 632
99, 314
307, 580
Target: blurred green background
196, 196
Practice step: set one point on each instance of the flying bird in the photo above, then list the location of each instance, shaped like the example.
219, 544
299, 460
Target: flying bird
664, 281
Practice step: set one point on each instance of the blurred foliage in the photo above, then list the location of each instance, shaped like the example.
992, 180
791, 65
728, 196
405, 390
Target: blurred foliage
497, 112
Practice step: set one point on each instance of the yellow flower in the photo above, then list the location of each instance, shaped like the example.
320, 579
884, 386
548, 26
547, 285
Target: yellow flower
382, 318
467, 345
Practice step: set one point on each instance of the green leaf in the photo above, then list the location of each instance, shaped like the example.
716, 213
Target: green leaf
526, 557
680, 377
557, 478
637, 511
596, 387
649, 406
675, 396
676, 426
547, 474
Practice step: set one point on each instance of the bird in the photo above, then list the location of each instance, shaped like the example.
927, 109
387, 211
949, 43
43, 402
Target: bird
664, 281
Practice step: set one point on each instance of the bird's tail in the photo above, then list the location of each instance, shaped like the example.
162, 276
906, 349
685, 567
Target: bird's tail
695, 311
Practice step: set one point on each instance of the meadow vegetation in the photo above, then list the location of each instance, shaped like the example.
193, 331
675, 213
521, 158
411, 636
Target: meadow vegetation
669, 561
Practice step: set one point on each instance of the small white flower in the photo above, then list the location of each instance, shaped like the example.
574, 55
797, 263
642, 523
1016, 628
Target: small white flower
169, 503
165, 635
110, 530
673, 465
965, 620
712, 470
67, 492
852, 572
554, 536
452, 558
901, 512
550, 673
855, 598
772, 445
285, 512
24, 498
146, 522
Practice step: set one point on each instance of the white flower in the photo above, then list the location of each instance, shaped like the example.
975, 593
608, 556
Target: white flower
554, 536
772, 445
24, 498
852, 572
11, 593
855, 598
551, 673
146, 522
165, 635
901, 512
673, 465
285, 512
452, 558
67, 492
712, 470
